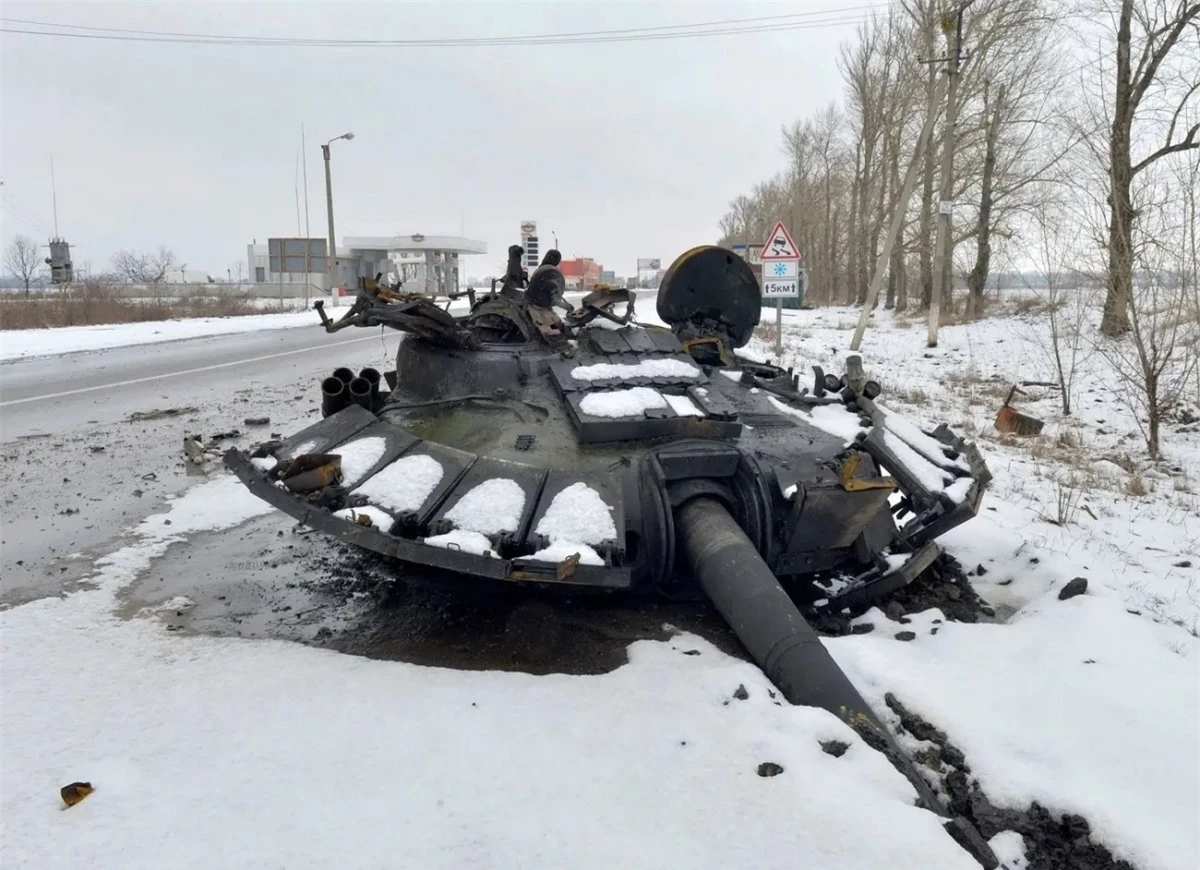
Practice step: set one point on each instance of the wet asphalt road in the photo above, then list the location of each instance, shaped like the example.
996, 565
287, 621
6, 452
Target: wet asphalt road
77, 470
61, 393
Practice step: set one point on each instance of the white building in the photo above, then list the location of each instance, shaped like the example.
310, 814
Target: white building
426, 263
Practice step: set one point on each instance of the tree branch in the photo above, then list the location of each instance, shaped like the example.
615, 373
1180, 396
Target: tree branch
1170, 148
1148, 73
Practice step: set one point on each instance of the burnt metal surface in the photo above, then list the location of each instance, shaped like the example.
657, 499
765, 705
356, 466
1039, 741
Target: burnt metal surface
489, 395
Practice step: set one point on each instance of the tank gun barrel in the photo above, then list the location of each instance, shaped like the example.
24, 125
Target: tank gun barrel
727, 566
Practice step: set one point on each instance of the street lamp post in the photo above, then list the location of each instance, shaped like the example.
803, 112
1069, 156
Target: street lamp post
331, 260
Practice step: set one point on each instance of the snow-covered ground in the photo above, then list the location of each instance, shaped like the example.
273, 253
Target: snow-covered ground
1089, 705
227, 753
215, 752
25, 343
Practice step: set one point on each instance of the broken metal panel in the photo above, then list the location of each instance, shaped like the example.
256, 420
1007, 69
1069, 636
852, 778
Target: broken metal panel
606, 341
1010, 420
873, 584
526, 570
664, 341
639, 341
824, 518
713, 403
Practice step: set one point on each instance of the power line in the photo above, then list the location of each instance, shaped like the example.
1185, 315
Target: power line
629, 30
23, 220
736, 26
22, 212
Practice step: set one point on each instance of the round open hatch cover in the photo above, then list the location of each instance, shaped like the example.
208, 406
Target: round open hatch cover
711, 283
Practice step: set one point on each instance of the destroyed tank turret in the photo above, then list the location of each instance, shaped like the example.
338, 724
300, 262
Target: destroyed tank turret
589, 451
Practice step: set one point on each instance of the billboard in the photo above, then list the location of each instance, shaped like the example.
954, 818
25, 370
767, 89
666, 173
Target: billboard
649, 265
296, 255
529, 241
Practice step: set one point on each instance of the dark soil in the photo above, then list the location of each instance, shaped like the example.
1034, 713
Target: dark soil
1051, 842
944, 585
434, 619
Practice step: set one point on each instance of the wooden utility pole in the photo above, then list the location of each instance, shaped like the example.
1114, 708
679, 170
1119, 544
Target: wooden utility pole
899, 211
941, 252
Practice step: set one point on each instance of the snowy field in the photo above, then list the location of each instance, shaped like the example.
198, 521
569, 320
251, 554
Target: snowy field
218, 752
1089, 705
27, 343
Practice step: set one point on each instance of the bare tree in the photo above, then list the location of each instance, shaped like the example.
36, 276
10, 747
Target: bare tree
22, 258
138, 267
1068, 309
1159, 356
844, 176
1159, 27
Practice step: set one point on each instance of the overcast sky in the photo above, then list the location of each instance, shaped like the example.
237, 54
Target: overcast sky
625, 149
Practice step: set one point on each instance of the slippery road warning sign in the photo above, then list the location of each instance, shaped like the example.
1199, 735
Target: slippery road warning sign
779, 245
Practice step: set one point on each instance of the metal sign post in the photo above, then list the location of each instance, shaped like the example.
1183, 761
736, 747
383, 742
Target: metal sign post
780, 277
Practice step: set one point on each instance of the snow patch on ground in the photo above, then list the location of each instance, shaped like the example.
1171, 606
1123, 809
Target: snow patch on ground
1088, 705
22, 343
359, 456
143, 716
27, 343
150, 710
650, 368
632, 402
491, 507
1075, 705
683, 406
405, 484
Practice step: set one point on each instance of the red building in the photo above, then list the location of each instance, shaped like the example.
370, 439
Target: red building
582, 273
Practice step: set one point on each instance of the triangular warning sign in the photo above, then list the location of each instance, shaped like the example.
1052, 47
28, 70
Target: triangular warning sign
779, 245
